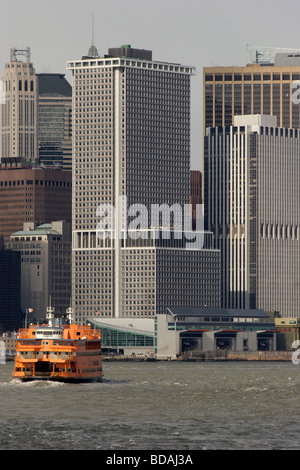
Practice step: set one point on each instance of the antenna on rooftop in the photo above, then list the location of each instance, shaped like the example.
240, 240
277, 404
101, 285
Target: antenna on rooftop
93, 29
93, 50
14, 53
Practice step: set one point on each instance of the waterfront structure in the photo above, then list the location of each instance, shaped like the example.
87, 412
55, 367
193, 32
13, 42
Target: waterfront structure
9, 342
252, 206
190, 332
131, 144
288, 333
29, 193
19, 117
54, 120
45, 267
10, 290
125, 336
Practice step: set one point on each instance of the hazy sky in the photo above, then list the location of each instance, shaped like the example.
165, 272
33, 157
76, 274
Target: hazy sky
191, 32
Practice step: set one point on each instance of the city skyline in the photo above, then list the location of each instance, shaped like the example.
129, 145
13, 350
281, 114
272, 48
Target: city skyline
184, 32
171, 141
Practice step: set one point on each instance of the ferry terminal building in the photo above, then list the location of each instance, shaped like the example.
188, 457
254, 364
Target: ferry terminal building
186, 331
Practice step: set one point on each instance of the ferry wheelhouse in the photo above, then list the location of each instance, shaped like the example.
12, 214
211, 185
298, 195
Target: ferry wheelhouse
59, 350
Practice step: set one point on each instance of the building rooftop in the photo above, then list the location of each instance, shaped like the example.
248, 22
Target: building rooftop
54, 85
33, 229
24, 233
128, 51
218, 312
129, 324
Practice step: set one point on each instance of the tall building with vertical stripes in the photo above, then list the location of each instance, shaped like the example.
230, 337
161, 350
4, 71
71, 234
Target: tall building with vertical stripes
252, 194
257, 88
36, 114
19, 113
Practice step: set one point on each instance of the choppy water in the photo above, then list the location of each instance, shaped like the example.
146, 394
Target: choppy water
153, 406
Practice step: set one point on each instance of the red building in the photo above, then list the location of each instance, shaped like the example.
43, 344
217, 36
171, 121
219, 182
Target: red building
30, 194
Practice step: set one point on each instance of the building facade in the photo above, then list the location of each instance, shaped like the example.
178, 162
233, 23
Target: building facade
45, 267
288, 333
55, 120
252, 207
36, 114
252, 89
10, 290
196, 193
184, 332
131, 141
29, 194
19, 120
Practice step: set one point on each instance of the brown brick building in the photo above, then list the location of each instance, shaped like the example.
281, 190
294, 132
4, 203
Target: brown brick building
29, 194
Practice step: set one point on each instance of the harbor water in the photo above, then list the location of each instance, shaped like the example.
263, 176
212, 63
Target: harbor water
156, 406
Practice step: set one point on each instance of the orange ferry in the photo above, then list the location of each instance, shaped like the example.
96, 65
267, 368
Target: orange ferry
58, 351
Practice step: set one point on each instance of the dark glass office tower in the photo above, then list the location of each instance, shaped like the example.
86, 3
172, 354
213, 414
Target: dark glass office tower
55, 121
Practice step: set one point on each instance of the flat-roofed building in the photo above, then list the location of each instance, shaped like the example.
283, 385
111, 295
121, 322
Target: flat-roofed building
131, 141
252, 89
186, 332
54, 120
45, 267
29, 194
252, 194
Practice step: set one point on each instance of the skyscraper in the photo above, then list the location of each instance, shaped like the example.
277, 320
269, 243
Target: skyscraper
19, 120
30, 194
131, 139
36, 114
257, 88
45, 266
252, 206
54, 120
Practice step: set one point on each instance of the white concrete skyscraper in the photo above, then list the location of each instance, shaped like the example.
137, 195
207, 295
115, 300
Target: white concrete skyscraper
131, 138
252, 194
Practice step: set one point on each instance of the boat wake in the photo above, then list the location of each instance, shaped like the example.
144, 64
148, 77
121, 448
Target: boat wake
33, 383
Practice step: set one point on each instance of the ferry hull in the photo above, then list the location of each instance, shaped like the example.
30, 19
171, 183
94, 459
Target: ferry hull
60, 379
